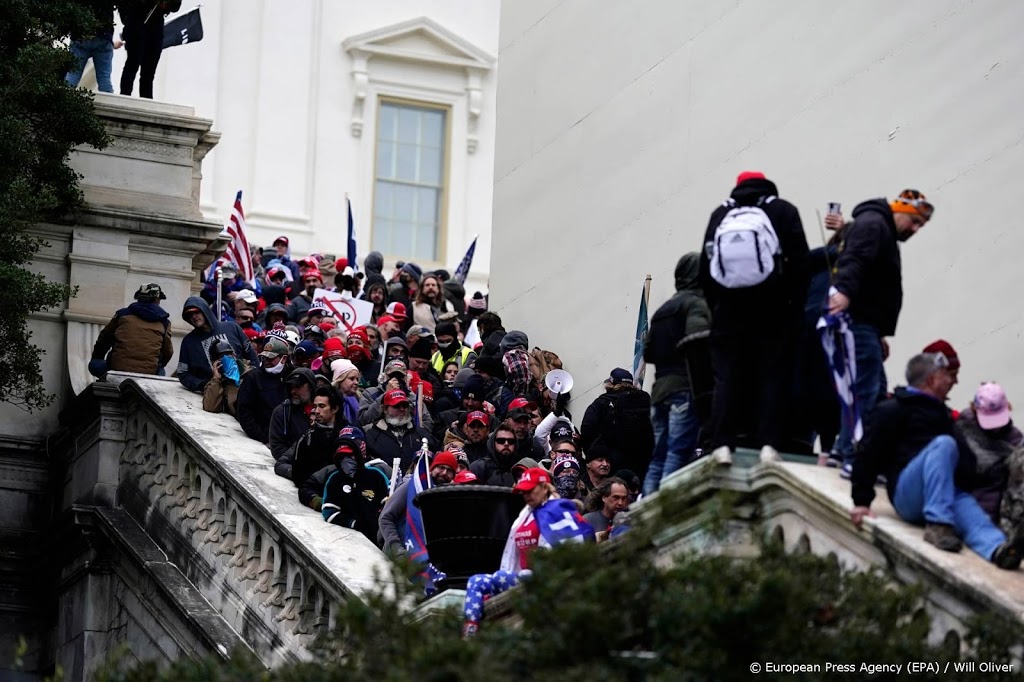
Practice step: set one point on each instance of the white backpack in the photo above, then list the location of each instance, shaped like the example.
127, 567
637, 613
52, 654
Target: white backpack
745, 246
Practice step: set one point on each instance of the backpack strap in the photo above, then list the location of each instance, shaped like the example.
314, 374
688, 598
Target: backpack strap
764, 201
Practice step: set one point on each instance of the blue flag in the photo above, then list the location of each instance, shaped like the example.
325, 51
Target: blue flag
415, 538
837, 340
639, 366
351, 254
462, 272
560, 521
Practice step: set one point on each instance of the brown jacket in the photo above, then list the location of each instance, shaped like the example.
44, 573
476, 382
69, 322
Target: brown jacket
135, 344
221, 394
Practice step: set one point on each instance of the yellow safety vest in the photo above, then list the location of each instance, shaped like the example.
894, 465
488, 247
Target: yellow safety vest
438, 361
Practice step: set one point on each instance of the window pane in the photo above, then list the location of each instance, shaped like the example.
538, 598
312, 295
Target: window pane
401, 238
425, 241
382, 198
404, 197
426, 205
430, 166
408, 125
385, 159
433, 129
388, 117
405, 168
381, 235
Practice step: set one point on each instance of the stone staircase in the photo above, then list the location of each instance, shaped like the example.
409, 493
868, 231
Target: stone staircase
183, 500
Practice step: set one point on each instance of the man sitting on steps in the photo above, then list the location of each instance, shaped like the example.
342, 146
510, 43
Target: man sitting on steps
910, 439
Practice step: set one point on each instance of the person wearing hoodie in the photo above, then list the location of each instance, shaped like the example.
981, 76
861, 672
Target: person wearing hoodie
495, 390
262, 389
273, 313
673, 413
373, 264
868, 286
456, 295
404, 291
315, 449
351, 493
137, 338
292, 417
284, 255
375, 291
449, 349
755, 290
194, 368
502, 455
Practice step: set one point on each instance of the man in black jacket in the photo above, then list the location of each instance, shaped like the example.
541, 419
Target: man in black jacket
910, 440
678, 322
868, 285
315, 450
617, 425
262, 389
143, 41
756, 297
496, 468
395, 436
290, 419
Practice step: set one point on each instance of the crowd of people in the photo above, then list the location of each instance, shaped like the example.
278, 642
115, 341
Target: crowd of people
347, 412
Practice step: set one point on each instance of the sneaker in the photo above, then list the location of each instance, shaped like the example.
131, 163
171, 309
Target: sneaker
834, 461
944, 537
1008, 555
770, 454
846, 472
722, 455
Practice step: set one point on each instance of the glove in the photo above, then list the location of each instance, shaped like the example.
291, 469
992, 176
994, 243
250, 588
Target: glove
316, 503
98, 367
560, 402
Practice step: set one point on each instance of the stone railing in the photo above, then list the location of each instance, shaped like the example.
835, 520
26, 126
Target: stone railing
208, 496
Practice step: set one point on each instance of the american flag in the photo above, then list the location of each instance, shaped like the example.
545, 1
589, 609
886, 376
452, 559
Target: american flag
462, 271
238, 250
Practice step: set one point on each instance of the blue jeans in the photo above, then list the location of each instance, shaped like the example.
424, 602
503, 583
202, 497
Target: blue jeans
925, 494
676, 429
868, 356
101, 51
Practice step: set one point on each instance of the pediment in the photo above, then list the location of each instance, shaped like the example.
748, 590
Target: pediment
420, 40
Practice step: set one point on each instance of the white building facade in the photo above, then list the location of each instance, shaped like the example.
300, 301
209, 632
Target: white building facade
389, 105
609, 165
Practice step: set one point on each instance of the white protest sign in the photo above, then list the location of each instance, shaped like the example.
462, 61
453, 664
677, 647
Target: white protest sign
350, 312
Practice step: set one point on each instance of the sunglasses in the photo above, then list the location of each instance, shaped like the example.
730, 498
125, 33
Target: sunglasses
504, 441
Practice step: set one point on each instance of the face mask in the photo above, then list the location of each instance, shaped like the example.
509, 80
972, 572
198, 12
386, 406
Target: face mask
357, 354
443, 347
567, 485
276, 369
348, 466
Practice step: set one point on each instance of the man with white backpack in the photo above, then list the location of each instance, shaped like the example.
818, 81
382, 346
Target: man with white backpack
753, 271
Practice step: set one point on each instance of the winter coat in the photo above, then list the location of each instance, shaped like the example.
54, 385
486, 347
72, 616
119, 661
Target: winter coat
681, 316
310, 453
138, 339
221, 395
617, 425
474, 451
272, 308
868, 270
499, 395
383, 443
258, 394
426, 314
495, 470
288, 424
392, 518
349, 501
983, 467
897, 430
778, 299
194, 368
299, 307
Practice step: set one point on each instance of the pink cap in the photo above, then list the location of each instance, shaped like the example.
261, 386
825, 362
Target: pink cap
991, 406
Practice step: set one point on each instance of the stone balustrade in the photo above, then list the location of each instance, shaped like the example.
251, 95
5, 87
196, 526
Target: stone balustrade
207, 495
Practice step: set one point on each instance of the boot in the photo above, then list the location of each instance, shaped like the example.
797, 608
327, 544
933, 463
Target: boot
944, 537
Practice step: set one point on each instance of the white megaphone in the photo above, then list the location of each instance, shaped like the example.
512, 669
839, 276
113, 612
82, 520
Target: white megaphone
558, 381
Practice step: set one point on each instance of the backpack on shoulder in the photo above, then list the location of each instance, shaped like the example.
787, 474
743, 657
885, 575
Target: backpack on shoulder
744, 247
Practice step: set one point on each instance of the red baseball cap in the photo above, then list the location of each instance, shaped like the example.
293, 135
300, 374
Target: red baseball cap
384, 319
944, 347
477, 416
531, 478
522, 404
397, 311
395, 397
465, 477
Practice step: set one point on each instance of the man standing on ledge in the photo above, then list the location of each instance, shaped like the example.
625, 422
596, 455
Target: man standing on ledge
868, 284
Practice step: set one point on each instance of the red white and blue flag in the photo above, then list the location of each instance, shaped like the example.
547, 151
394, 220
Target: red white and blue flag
237, 252
841, 353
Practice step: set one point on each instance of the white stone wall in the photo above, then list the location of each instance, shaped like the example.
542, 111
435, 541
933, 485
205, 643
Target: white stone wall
277, 82
622, 127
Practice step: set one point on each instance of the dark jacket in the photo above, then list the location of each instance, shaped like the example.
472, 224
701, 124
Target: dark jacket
983, 468
495, 470
681, 316
194, 368
272, 308
289, 423
383, 443
349, 501
868, 270
258, 395
897, 430
618, 426
312, 452
499, 395
299, 306
783, 293
138, 338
